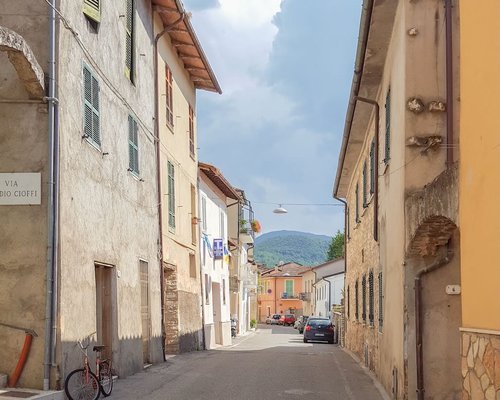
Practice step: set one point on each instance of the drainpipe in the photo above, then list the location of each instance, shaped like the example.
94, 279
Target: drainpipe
377, 134
418, 322
52, 216
449, 83
158, 169
201, 276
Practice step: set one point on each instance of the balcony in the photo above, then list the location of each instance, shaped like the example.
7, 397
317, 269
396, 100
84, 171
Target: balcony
289, 296
305, 296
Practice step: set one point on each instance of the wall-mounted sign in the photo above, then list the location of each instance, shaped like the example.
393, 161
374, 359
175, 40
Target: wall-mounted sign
20, 188
218, 248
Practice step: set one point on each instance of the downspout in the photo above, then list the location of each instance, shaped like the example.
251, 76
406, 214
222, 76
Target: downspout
418, 321
449, 83
201, 277
375, 183
51, 295
158, 170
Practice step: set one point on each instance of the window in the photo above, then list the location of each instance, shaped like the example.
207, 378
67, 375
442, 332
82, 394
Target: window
92, 9
204, 213
129, 41
363, 294
357, 202
169, 96
171, 195
365, 186
191, 132
373, 171
348, 302
348, 222
356, 300
91, 114
133, 146
370, 298
192, 265
388, 127
223, 291
380, 302
289, 287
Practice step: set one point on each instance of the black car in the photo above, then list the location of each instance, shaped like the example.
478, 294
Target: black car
317, 328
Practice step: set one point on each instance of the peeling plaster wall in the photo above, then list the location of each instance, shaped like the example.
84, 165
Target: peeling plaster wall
107, 214
23, 232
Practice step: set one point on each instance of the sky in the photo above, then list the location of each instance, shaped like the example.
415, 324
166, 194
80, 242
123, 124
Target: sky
285, 68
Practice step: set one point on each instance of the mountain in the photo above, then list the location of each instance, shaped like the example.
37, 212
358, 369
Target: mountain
300, 247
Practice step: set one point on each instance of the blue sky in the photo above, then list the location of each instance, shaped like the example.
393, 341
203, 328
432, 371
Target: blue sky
285, 68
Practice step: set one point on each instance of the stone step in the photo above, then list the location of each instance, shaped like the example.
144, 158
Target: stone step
31, 394
3, 380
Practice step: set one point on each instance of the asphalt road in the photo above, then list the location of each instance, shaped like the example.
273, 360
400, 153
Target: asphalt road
271, 364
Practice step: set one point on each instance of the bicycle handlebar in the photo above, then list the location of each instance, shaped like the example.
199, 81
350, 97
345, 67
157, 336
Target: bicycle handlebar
87, 340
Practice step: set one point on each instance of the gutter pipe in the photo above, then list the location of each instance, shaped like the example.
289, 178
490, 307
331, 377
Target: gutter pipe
52, 211
201, 280
418, 321
449, 83
158, 169
377, 140
366, 17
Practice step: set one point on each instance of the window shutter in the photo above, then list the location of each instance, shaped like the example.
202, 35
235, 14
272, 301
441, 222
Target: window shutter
357, 202
356, 310
129, 40
363, 305
365, 194
388, 126
92, 9
133, 145
171, 195
372, 167
380, 302
370, 297
91, 107
348, 302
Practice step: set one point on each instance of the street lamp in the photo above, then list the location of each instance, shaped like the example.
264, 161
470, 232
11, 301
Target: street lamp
280, 210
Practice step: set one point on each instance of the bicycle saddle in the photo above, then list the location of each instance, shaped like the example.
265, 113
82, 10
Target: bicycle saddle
99, 348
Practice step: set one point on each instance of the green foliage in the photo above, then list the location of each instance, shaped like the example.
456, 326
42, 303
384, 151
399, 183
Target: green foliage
253, 323
291, 246
336, 248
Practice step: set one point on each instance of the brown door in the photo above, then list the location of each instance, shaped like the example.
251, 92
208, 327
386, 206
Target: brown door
104, 307
145, 313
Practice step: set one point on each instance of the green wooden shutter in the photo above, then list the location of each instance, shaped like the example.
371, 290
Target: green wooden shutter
363, 294
387, 126
91, 107
380, 302
92, 9
289, 287
371, 299
133, 145
129, 40
171, 195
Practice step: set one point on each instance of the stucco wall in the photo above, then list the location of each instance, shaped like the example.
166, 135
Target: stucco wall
107, 214
23, 235
480, 164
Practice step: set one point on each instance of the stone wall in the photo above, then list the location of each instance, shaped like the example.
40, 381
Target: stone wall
480, 366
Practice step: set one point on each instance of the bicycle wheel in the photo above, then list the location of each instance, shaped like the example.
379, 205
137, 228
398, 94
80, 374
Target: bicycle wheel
81, 385
105, 378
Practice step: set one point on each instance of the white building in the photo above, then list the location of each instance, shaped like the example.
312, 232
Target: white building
328, 286
214, 193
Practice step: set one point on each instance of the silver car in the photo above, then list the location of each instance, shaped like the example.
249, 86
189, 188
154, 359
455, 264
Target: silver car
273, 319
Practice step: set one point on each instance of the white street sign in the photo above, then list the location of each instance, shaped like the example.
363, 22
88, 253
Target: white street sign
20, 188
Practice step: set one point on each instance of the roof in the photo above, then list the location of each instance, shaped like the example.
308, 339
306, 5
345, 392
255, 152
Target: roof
215, 175
188, 47
286, 270
375, 33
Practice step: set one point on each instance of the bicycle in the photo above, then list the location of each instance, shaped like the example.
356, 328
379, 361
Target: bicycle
82, 383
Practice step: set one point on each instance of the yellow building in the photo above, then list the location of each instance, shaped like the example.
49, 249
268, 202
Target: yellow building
479, 197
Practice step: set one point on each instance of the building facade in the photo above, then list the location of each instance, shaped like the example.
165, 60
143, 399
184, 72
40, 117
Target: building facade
479, 194
214, 194
397, 172
328, 286
281, 288
181, 69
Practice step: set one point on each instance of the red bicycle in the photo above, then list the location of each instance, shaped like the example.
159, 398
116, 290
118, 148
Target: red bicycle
82, 383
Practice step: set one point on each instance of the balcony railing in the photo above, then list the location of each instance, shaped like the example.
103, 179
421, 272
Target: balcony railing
289, 296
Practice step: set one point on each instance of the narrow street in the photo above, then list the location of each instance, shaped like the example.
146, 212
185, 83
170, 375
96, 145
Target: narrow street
272, 363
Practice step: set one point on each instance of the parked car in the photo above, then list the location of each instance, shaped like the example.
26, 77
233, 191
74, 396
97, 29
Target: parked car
299, 324
317, 328
287, 319
273, 319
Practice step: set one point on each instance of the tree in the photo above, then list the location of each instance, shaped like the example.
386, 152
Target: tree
336, 248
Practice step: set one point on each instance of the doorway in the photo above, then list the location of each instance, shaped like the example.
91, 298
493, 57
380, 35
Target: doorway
145, 311
217, 312
104, 307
